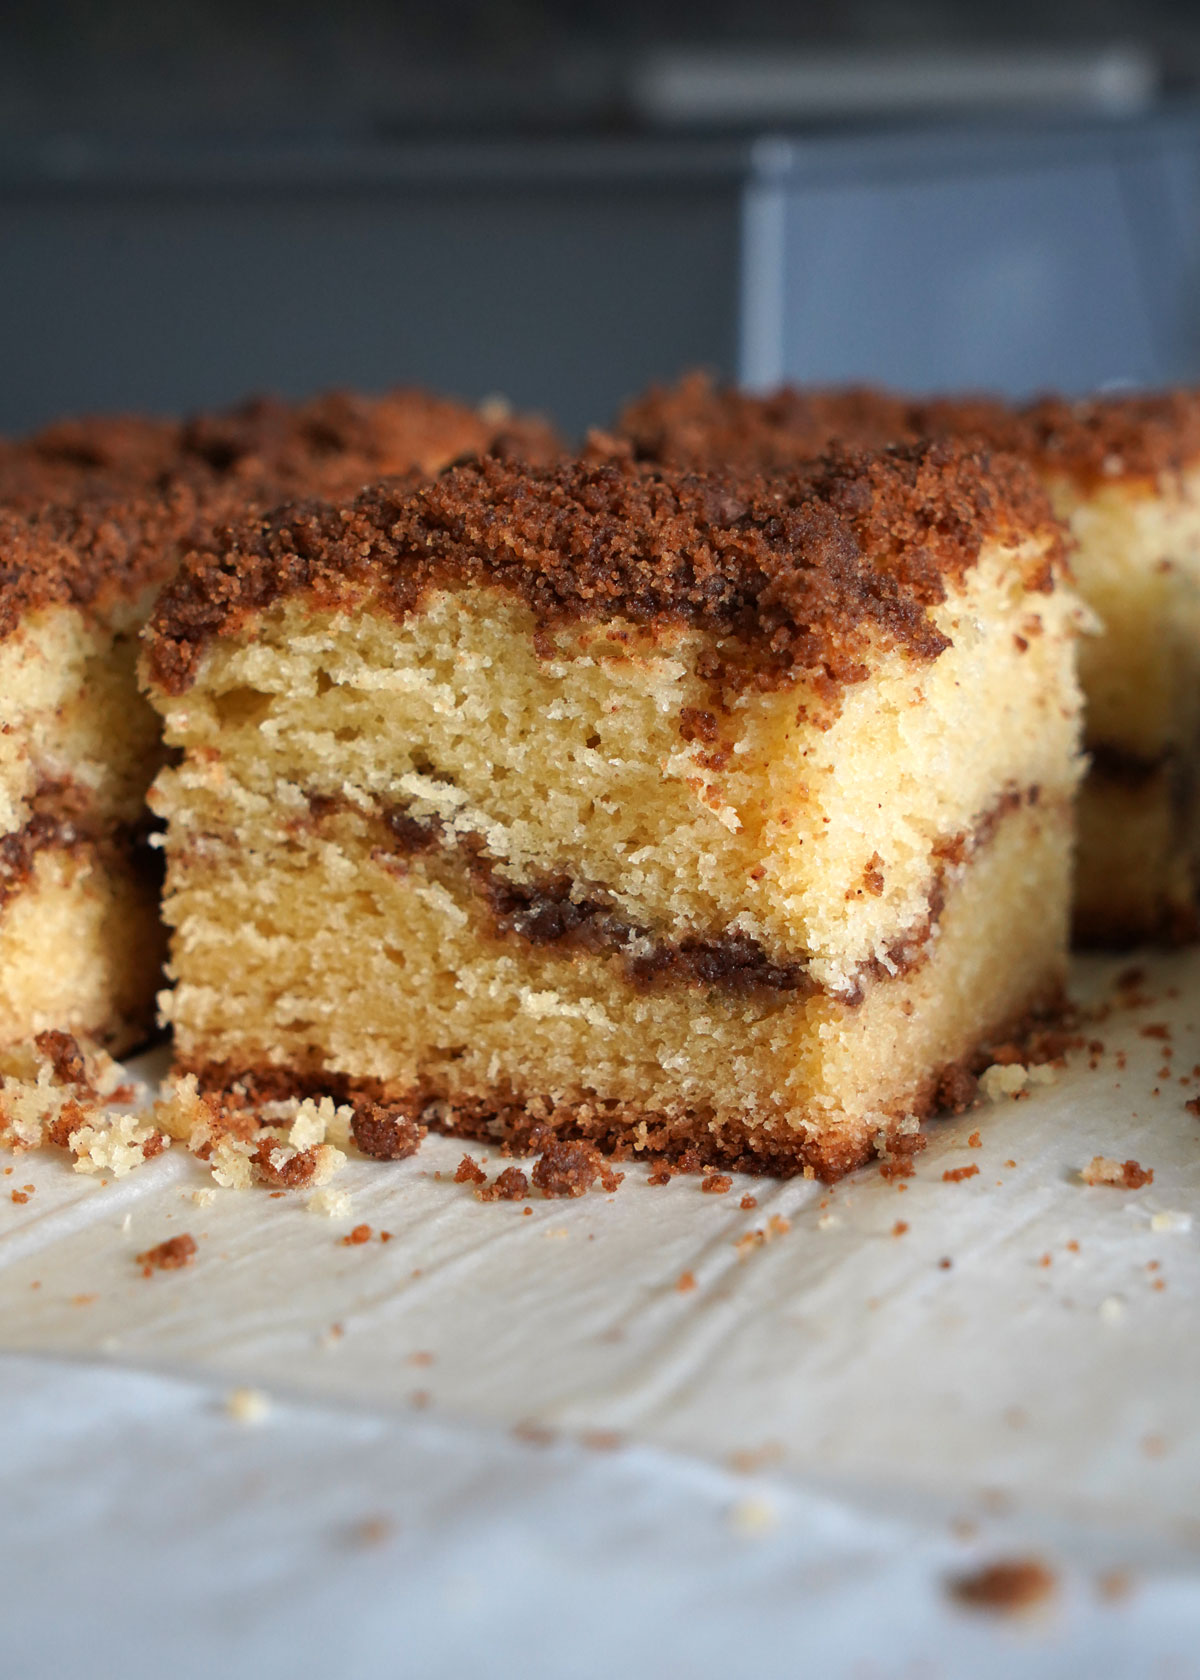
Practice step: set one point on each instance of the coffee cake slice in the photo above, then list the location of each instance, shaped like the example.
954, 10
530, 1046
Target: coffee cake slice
695, 816
81, 945
1123, 473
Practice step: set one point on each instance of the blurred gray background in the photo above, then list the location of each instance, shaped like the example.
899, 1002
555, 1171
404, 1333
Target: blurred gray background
209, 198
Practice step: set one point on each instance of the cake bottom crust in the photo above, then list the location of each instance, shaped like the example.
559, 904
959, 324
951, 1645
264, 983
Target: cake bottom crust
689, 1139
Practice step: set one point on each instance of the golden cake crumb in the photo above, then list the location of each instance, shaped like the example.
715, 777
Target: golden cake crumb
1121, 1175
248, 1405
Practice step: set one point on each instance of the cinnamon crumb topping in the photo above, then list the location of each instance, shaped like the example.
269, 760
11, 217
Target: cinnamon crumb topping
804, 573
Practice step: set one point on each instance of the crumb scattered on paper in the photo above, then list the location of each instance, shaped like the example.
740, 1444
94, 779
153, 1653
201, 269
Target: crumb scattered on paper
752, 1517
168, 1256
1006, 1588
1121, 1175
247, 1405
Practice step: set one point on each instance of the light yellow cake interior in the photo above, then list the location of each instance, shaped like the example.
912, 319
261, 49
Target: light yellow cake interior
1137, 562
80, 938
904, 849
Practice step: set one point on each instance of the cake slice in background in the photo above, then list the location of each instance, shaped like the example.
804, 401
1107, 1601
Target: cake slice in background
694, 816
335, 443
1123, 472
80, 936
100, 511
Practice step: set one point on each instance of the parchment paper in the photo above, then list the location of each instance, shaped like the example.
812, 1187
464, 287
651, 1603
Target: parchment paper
1046, 1377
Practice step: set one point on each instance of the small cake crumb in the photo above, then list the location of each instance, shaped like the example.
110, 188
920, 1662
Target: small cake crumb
1114, 1585
168, 1256
247, 1405
355, 1238
1006, 1588
1013, 1079
330, 1204
1171, 1220
1121, 1175
371, 1531
469, 1172
570, 1169
685, 1281
511, 1185
753, 1516
955, 1175
716, 1184
748, 1202
205, 1196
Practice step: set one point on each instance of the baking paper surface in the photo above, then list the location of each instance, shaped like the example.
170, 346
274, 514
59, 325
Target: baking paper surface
1047, 1374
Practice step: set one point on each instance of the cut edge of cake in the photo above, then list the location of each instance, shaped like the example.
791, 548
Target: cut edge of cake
508, 983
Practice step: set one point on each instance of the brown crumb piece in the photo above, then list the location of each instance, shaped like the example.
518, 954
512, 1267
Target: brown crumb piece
899, 1166
957, 1090
20, 1197
371, 1531
510, 1186
747, 1202
1114, 1585
386, 1133
1193, 1106
288, 1172
899, 1228
945, 1263
360, 1234
570, 1169
975, 1141
1156, 1029
1007, 1588
534, 1434
469, 1172
716, 1184
660, 1173
600, 1440
62, 1051
955, 1175
1121, 1175
168, 1256
685, 1282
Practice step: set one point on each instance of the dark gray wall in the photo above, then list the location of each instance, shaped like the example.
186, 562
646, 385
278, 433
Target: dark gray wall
564, 280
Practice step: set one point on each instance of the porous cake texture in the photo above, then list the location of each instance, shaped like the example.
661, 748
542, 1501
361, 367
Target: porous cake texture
1123, 473
99, 513
80, 937
710, 818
